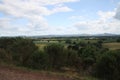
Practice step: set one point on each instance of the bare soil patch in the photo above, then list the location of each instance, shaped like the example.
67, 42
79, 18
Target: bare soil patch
7, 73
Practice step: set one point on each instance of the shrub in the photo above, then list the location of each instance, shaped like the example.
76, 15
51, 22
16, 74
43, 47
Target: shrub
56, 55
38, 60
4, 56
108, 67
21, 50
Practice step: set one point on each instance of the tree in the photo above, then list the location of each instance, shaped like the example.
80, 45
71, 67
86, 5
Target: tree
88, 56
99, 44
6, 42
5, 56
72, 58
118, 40
38, 60
68, 41
108, 66
56, 55
21, 50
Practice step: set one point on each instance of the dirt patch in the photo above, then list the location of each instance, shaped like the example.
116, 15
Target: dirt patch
18, 74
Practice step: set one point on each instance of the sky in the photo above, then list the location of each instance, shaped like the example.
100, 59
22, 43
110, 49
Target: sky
59, 17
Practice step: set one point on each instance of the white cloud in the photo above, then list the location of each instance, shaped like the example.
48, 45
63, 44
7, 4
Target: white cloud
104, 24
117, 16
33, 10
106, 15
21, 8
4, 22
36, 11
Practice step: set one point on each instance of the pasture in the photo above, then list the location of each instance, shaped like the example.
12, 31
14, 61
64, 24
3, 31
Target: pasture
112, 46
43, 42
64, 41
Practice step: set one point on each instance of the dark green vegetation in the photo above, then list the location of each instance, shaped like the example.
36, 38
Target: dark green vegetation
84, 56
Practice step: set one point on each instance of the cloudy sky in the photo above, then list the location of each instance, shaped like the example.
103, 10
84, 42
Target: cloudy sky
59, 17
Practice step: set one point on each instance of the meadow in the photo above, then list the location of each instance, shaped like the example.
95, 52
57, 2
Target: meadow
111, 44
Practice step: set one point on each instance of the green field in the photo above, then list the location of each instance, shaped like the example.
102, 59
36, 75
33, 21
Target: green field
112, 46
42, 43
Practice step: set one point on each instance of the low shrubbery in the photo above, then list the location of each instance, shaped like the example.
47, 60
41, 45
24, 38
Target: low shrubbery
108, 66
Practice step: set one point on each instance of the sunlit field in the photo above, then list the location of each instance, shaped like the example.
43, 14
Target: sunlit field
112, 46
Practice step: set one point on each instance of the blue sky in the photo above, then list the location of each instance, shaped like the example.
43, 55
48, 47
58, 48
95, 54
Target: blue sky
59, 17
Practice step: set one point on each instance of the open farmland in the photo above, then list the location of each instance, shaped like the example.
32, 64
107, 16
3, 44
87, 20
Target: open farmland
44, 42
112, 46
64, 41
40, 46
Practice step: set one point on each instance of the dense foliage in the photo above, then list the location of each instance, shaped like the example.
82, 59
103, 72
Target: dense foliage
89, 57
17, 50
108, 66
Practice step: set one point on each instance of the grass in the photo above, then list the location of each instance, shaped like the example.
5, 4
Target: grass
112, 46
90, 78
41, 46
42, 43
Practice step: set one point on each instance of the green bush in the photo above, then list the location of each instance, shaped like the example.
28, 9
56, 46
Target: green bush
17, 50
21, 50
56, 55
4, 56
72, 58
88, 56
108, 67
38, 60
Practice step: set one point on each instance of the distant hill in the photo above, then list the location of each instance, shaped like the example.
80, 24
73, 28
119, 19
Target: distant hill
74, 35
106, 34
69, 35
